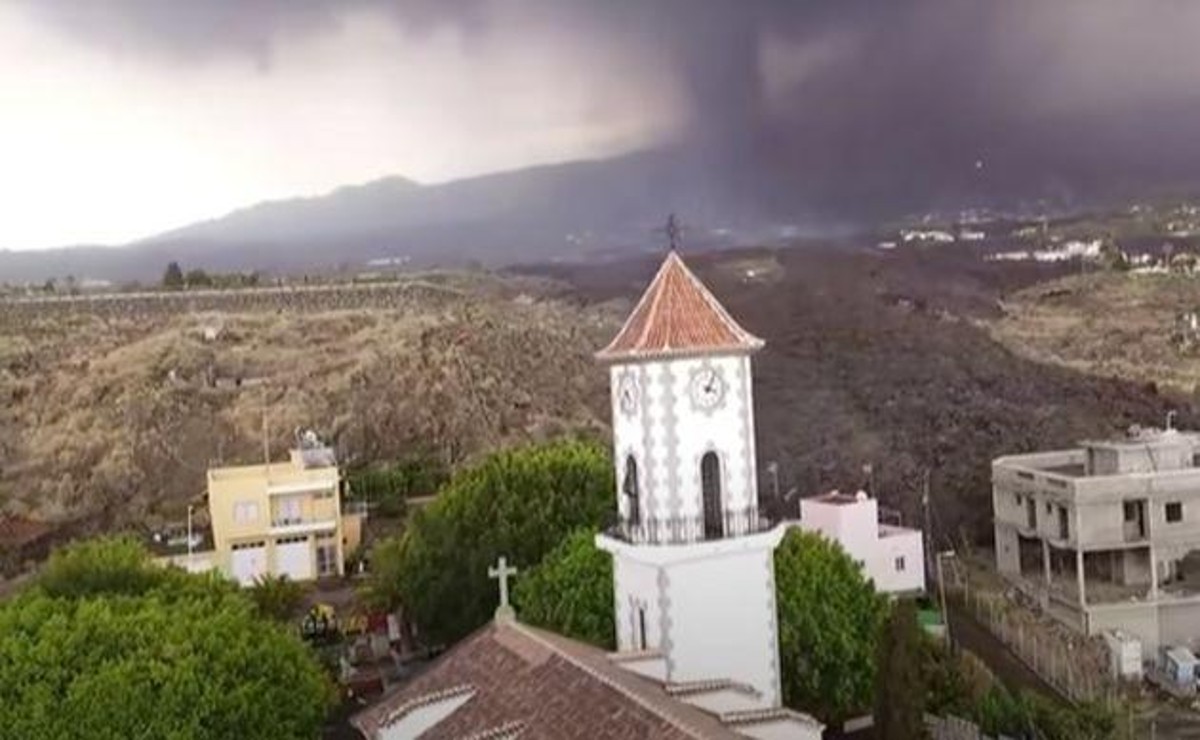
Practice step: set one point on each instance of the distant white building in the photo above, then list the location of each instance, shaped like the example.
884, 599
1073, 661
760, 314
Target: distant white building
937, 236
893, 557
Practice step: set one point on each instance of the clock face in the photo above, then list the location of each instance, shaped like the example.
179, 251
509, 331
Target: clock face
627, 394
707, 389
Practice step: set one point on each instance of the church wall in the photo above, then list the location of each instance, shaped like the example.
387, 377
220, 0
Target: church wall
722, 620
668, 435
636, 585
728, 430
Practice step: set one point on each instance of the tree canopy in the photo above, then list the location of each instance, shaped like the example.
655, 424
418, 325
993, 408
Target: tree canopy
829, 622
107, 645
276, 597
571, 591
173, 276
899, 680
518, 503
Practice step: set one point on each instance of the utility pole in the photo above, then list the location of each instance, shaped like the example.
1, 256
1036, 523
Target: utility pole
927, 529
942, 595
189, 539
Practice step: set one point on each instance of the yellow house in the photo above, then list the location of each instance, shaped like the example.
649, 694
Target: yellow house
281, 518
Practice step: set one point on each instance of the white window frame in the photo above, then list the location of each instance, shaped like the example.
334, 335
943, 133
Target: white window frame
245, 512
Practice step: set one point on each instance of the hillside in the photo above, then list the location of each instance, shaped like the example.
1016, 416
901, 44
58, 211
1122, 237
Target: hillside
115, 419
1112, 324
573, 210
900, 360
882, 359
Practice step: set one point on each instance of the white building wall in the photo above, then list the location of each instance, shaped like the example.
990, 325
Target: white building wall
636, 585
667, 434
727, 430
722, 621
855, 526
882, 568
713, 604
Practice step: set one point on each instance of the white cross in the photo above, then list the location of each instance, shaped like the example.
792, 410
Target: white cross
501, 572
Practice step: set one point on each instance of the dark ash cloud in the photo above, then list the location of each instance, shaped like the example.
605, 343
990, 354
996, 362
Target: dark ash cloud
894, 105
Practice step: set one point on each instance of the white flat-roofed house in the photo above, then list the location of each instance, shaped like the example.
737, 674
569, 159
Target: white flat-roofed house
1107, 535
892, 556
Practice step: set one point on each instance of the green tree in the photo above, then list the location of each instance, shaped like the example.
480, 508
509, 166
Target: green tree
101, 567
173, 277
1112, 257
519, 503
387, 488
198, 278
899, 686
829, 622
126, 649
276, 597
571, 591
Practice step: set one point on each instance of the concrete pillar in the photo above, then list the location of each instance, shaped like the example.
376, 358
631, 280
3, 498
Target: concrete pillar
1079, 557
1079, 576
1046, 574
1046, 561
1153, 573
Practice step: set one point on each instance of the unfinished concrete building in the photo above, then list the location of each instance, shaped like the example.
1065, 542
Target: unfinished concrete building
1107, 536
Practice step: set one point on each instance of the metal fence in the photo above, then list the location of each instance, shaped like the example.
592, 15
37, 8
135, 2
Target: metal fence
1076, 667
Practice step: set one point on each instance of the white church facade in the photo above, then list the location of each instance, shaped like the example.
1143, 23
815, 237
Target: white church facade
694, 573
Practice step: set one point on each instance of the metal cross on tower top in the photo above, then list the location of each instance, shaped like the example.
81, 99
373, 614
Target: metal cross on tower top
501, 573
673, 232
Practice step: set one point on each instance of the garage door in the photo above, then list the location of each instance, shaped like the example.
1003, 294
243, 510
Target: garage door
248, 562
293, 558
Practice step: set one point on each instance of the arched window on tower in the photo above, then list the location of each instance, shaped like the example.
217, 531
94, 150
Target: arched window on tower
630, 488
710, 487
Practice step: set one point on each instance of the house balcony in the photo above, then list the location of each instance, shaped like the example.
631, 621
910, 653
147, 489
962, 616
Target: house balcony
686, 530
288, 526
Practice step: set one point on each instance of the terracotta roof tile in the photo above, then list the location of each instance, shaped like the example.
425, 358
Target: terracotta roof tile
677, 315
547, 686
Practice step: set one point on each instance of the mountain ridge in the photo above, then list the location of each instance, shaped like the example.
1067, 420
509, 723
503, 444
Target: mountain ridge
544, 212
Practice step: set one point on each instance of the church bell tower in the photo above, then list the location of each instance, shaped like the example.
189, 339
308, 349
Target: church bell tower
693, 559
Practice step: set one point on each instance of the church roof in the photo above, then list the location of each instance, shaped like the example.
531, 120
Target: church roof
677, 315
519, 680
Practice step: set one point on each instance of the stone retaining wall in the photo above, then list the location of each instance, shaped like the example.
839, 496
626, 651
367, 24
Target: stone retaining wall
307, 298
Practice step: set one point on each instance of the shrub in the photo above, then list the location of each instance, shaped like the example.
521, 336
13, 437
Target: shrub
571, 591
520, 503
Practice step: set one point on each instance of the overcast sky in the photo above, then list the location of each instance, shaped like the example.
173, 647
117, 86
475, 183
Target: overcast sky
122, 118
118, 121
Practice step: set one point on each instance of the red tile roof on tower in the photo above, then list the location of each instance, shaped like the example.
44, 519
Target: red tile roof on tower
677, 315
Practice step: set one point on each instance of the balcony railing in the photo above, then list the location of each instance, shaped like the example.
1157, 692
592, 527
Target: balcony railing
293, 524
689, 529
